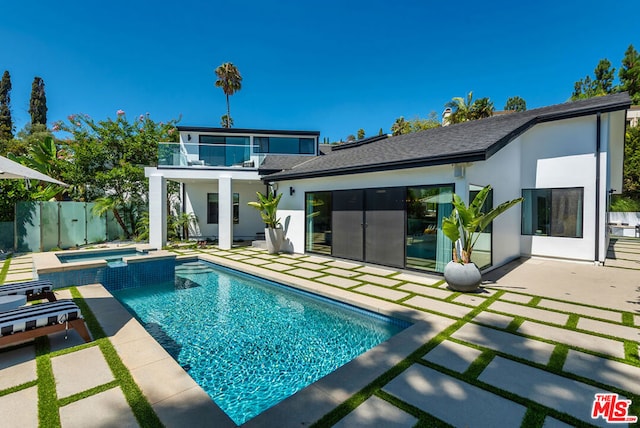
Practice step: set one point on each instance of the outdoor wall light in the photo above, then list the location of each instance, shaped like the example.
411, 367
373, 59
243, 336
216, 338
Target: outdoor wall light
188, 137
291, 191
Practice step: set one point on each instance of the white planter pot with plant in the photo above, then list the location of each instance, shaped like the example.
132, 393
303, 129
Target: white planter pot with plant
463, 227
268, 207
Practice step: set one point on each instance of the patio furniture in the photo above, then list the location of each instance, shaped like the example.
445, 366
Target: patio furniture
11, 302
29, 322
34, 290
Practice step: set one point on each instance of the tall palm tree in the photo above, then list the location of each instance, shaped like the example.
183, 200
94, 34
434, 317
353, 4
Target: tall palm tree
481, 108
230, 81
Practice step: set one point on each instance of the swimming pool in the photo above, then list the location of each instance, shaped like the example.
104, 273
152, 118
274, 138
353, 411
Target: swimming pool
251, 343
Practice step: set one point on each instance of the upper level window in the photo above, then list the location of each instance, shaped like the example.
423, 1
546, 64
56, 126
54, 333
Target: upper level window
284, 145
215, 150
553, 212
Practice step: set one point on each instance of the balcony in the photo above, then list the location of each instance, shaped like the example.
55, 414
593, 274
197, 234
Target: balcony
207, 155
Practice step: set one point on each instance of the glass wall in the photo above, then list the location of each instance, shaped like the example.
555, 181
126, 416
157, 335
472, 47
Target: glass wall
481, 254
215, 150
284, 145
553, 212
318, 215
427, 247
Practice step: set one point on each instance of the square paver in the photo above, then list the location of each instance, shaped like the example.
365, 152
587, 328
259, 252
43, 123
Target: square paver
256, 261
558, 392
470, 299
342, 272
426, 290
305, 273
453, 356
444, 397
286, 260
108, 408
446, 308
375, 271
615, 330
374, 413
278, 267
583, 310
312, 266
518, 346
378, 280
343, 265
20, 409
528, 312
382, 292
80, 370
518, 298
574, 338
17, 367
339, 282
495, 320
238, 257
418, 279
315, 259
606, 371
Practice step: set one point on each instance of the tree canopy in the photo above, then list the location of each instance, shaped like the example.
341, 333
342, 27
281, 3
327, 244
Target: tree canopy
465, 109
38, 102
629, 74
516, 104
6, 122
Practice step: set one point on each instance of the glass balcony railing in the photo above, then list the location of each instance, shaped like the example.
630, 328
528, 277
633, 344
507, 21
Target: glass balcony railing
208, 155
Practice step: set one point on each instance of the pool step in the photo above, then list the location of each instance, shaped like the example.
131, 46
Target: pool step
192, 268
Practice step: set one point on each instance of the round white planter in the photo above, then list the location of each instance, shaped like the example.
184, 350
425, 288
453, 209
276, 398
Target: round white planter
462, 277
274, 238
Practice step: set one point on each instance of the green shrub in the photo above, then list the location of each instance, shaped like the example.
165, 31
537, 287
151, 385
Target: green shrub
621, 203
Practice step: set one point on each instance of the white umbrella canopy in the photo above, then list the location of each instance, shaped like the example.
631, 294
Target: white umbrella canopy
11, 169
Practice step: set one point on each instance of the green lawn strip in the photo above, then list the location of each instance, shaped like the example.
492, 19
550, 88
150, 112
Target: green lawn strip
89, 318
88, 393
631, 352
452, 296
534, 301
627, 319
5, 269
572, 322
515, 324
18, 388
479, 364
48, 415
558, 357
424, 419
533, 418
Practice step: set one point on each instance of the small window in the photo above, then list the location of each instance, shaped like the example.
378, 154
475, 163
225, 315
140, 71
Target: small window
213, 208
553, 212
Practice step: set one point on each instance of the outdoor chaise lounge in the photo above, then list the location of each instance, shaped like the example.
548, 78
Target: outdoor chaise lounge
34, 290
28, 322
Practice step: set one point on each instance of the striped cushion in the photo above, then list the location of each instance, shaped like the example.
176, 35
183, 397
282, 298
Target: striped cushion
26, 288
43, 314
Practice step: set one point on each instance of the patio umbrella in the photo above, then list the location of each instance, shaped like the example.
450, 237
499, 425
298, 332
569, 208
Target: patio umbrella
11, 169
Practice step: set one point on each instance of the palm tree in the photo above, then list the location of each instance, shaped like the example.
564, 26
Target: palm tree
481, 108
461, 108
113, 204
400, 126
230, 81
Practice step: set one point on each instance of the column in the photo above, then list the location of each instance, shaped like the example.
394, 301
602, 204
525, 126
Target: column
157, 210
225, 213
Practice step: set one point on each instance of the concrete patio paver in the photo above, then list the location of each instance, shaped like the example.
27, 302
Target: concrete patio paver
581, 309
339, 282
383, 292
17, 367
378, 280
453, 356
559, 393
608, 372
470, 299
609, 329
495, 320
517, 298
518, 346
425, 290
105, 409
375, 413
418, 279
375, 270
20, 409
528, 312
438, 306
341, 272
305, 273
444, 397
311, 266
573, 338
79, 371
343, 265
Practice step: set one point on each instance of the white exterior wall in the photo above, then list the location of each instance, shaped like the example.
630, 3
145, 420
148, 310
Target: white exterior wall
560, 154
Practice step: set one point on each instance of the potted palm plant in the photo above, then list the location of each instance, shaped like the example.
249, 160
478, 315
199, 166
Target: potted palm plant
463, 227
268, 207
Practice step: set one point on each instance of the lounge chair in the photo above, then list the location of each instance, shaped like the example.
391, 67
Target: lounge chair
28, 322
34, 290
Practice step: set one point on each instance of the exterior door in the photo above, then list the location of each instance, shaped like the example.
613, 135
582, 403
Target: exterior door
385, 226
348, 224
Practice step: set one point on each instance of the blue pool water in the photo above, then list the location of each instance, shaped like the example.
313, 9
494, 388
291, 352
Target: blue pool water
251, 343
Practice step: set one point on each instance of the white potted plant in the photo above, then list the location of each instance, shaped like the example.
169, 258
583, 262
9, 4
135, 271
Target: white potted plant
268, 207
463, 228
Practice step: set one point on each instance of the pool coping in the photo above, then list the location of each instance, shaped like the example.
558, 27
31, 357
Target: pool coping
49, 262
178, 399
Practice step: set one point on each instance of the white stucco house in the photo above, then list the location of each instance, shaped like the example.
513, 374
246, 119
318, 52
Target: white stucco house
381, 200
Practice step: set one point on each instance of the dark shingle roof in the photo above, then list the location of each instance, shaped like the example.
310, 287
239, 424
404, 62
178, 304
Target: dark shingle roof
466, 142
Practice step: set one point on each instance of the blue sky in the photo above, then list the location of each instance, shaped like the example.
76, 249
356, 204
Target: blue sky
333, 66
